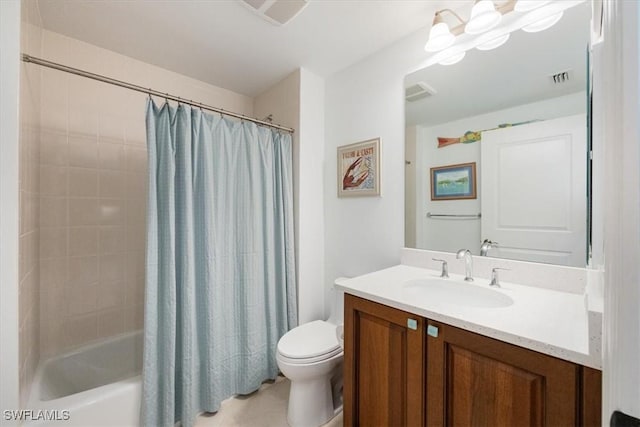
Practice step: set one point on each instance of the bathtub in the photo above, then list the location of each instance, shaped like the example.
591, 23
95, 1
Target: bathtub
96, 385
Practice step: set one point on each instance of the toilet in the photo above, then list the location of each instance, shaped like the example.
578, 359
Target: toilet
310, 356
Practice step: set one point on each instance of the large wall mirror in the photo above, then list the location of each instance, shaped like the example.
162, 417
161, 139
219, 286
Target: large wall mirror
497, 149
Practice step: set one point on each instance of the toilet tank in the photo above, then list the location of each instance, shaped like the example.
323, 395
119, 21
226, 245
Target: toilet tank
336, 313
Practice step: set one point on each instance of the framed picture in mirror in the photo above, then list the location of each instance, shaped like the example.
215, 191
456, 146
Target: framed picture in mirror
359, 169
454, 182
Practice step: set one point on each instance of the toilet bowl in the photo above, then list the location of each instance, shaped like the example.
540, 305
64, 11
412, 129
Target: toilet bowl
310, 356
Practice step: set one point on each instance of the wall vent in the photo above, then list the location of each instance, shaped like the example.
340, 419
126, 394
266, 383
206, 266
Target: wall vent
277, 12
418, 91
561, 77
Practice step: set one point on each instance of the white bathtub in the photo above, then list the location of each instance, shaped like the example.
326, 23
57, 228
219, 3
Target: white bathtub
99, 385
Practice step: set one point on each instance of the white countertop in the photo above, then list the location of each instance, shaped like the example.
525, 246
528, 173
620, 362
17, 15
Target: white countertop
548, 321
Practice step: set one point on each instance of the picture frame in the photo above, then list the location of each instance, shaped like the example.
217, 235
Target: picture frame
454, 182
359, 169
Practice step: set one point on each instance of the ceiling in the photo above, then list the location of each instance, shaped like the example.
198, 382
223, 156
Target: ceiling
515, 73
224, 43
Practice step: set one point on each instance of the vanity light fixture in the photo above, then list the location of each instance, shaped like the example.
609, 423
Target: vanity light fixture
453, 59
484, 17
542, 23
493, 42
506, 17
440, 37
528, 5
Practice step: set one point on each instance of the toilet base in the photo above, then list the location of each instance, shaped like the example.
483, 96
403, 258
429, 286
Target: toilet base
310, 403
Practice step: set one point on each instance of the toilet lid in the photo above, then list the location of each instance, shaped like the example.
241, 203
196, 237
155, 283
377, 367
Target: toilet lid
312, 339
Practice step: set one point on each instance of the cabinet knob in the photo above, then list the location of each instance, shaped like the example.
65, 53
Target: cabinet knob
412, 324
432, 331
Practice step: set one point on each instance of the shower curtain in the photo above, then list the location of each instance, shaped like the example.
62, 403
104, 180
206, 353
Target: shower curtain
220, 273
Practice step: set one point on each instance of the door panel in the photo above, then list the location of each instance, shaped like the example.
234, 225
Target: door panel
478, 381
534, 191
383, 370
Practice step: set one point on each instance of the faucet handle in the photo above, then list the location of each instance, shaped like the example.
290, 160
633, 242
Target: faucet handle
495, 280
445, 268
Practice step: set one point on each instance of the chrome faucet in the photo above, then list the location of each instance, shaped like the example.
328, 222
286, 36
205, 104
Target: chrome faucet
445, 268
486, 245
468, 264
495, 280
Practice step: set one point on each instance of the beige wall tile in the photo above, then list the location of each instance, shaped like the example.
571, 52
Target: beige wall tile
53, 242
80, 329
134, 317
54, 148
137, 213
112, 239
54, 273
83, 121
135, 266
82, 300
136, 185
83, 150
110, 123
111, 155
53, 211
83, 241
83, 182
136, 159
111, 267
111, 184
111, 295
110, 323
83, 211
83, 271
134, 292
112, 212
53, 180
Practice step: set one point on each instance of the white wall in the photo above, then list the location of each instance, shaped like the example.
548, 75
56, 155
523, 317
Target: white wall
617, 102
451, 235
30, 90
9, 214
366, 101
310, 188
297, 101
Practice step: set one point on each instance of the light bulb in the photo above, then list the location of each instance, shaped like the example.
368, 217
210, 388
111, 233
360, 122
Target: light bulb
439, 38
543, 24
483, 17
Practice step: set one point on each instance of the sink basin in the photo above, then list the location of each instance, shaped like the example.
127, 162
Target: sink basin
450, 292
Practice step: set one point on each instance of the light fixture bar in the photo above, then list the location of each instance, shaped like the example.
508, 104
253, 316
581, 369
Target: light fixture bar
510, 22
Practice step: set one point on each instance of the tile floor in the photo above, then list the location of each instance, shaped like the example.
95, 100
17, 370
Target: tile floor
265, 408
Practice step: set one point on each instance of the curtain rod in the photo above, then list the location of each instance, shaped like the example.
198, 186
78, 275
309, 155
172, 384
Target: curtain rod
104, 79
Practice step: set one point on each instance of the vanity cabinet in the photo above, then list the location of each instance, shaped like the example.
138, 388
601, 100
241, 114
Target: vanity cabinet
383, 365
439, 375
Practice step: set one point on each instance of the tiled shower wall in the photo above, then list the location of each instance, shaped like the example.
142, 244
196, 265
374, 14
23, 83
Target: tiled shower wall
93, 195
29, 271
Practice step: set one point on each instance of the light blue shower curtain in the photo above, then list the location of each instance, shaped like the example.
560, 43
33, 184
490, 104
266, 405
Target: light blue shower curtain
220, 284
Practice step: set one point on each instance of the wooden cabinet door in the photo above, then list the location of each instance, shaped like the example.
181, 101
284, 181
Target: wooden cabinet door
383, 365
477, 381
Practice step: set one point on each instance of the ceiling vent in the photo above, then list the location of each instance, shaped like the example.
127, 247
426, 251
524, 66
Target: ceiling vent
418, 91
561, 77
278, 12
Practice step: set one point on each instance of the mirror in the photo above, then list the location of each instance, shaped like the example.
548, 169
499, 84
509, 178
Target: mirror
511, 122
